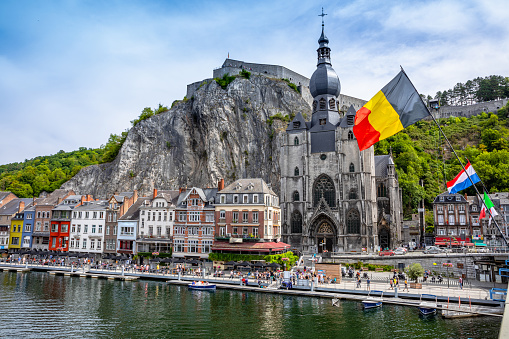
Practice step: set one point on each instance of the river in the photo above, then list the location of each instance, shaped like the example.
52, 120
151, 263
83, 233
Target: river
39, 305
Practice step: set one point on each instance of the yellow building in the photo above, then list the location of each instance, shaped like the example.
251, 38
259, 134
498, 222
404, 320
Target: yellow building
16, 231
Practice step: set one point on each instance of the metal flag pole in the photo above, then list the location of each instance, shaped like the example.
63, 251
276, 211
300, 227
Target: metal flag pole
457, 157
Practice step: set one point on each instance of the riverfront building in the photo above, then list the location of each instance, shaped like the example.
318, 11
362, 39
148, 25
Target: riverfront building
335, 198
118, 204
157, 217
128, 226
7, 213
87, 227
193, 230
61, 223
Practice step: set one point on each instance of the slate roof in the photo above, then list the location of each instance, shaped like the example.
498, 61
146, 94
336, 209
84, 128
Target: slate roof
344, 122
381, 162
53, 197
3, 195
168, 195
258, 186
95, 205
449, 198
133, 212
12, 206
206, 194
298, 118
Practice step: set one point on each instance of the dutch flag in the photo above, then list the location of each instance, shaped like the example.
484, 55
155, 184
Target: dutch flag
461, 181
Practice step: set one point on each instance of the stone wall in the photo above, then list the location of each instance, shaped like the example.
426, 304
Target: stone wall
469, 110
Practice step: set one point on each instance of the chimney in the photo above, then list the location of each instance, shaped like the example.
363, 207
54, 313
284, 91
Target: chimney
59, 200
181, 189
135, 196
21, 206
220, 185
90, 197
155, 193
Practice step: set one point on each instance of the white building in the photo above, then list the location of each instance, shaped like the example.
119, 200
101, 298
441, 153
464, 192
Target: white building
156, 219
128, 228
87, 227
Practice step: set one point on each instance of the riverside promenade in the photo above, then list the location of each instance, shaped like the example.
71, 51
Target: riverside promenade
472, 295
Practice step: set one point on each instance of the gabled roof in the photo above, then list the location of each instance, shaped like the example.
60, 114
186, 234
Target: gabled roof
12, 206
206, 194
250, 185
168, 195
302, 123
449, 198
52, 198
94, 205
381, 162
133, 212
344, 122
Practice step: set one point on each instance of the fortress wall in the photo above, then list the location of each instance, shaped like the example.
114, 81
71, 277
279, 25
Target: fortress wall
469, 110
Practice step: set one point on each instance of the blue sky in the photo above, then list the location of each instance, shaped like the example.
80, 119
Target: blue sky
72, 72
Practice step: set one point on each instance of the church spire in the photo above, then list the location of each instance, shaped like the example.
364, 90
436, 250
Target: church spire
323, 50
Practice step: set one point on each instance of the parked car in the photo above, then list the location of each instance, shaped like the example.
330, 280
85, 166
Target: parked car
386, 252
399, 251
432, 250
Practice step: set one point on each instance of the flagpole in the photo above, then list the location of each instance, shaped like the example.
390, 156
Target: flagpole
457, 157
489, 211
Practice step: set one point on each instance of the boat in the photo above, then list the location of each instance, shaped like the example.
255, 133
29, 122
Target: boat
428, 307
373, 301
201, 285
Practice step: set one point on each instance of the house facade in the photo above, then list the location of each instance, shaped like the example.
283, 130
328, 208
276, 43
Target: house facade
128, 226
452, 220
157, 217
88, 227
193, 230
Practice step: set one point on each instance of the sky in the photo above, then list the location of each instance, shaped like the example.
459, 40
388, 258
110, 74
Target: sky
72, 72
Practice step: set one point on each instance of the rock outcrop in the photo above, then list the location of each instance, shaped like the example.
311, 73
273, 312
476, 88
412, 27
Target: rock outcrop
215, 134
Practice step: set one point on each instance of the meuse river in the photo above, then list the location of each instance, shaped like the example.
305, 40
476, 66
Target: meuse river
39, 305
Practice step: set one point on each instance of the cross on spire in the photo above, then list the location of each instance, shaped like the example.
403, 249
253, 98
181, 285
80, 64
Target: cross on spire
322, 15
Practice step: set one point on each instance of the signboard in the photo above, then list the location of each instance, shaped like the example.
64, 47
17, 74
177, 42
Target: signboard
235, 240
420, 210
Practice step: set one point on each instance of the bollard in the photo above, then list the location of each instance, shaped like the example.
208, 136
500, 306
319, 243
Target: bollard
72, 267
395, 292
122, 270
179, 275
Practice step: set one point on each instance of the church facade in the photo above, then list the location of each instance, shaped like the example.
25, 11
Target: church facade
335, 198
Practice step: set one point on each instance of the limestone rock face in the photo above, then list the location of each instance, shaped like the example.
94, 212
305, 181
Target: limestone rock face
215, 134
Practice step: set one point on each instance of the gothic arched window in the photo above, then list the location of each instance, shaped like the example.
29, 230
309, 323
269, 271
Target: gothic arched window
352, 167
332, 104
296, 196
381, 191
352, 194
296, 141
296, 222
324, 187
353, 222
350, 135
296, 172
322, 103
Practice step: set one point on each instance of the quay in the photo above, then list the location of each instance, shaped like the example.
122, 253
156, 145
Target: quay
449, 305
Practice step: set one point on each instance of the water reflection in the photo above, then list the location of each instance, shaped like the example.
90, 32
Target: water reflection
56, 306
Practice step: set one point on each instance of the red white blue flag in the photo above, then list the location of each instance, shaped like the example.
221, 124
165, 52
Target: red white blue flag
461, 181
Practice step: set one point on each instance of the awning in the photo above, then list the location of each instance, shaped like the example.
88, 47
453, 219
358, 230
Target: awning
440, 243
477, 244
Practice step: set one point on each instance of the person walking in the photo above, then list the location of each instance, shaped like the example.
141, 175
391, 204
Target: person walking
461, 283
406, 285
368, 284
390, 282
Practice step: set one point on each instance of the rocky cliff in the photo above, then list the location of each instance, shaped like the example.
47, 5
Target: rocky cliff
218, 133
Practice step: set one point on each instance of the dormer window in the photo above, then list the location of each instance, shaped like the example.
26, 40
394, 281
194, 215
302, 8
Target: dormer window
442, 198
323, 121
458, 198
223, 199
296, 124
235, 199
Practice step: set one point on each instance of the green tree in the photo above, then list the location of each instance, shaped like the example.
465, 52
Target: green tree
415, 271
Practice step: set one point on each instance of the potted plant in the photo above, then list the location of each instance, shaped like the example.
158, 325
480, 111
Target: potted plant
414, 272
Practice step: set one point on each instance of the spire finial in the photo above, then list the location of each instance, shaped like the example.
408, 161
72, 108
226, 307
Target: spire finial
322, 15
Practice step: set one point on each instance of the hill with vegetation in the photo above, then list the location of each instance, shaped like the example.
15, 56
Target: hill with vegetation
423, 160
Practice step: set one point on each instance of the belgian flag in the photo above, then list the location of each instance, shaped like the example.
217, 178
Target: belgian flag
396, 106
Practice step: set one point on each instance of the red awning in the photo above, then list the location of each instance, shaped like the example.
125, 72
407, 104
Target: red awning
250, 246
440, 243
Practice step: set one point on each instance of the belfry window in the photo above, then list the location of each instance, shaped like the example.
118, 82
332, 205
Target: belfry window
332, 104
353, 222
352, 194
381, 191
314, 106
322, 103
324, 187
296, 124
350, 135
352, 167
296, 196
296, 172
296, 141
350, 119
296, 222
323, 121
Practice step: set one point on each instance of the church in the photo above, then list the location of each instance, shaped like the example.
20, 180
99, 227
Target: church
335, 198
